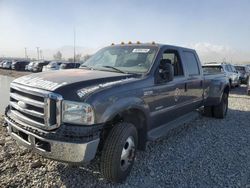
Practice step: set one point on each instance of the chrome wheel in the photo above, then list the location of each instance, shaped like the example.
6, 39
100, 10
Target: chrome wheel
128, 153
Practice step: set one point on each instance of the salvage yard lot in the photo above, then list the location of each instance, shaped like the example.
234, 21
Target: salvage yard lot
205, 153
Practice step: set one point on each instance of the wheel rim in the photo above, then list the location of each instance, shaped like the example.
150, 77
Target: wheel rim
128, 153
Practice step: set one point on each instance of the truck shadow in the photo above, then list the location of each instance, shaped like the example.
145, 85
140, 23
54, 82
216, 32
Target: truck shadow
242, 90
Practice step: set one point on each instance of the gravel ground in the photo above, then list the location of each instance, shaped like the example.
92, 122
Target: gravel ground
13, 73
205, 153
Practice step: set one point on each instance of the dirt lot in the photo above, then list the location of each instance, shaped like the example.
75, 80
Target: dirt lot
13, 73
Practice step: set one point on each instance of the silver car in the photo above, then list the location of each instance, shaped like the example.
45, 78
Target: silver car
29, 67
244, 72
228, 69
7, 64
53, 65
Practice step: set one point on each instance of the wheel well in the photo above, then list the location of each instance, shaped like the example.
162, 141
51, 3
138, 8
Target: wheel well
134, 116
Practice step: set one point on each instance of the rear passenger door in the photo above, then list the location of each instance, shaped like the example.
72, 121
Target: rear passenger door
194, 82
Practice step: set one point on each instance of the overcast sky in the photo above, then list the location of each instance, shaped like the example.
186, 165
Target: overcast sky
220, 26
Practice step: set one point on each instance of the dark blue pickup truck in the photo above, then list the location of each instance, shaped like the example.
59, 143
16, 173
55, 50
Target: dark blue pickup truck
122, 97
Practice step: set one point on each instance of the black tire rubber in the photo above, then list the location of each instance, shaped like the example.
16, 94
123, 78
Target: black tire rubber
208, 111
230, 84
110, 164
220, 111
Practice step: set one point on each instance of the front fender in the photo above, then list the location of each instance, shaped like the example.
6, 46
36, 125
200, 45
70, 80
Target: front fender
122, 105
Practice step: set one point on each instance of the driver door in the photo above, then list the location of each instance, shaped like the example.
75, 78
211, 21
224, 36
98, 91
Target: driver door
168, 96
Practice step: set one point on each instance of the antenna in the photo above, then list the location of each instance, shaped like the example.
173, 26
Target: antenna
25, 53
41, 56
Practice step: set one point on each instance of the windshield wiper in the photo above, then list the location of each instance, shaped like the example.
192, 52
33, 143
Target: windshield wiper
114, 68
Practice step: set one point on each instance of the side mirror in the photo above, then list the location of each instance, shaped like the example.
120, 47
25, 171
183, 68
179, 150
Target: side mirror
166, 71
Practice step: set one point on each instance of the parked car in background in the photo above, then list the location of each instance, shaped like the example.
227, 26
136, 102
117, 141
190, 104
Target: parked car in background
227, 69
19, 65
248, 86
69, 65
29, 66
53, 65
7, 64
38, 65
1, 64
244, 72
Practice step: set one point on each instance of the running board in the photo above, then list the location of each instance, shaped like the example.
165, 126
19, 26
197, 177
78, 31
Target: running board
164, 129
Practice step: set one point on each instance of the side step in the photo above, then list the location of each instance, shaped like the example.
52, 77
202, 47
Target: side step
164, 129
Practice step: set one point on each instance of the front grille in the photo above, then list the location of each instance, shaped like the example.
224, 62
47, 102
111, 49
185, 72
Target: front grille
35, 107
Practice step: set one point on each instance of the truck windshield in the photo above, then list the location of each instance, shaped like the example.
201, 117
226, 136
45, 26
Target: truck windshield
127, 59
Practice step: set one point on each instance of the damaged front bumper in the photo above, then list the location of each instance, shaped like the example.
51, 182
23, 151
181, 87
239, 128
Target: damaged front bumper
65, 150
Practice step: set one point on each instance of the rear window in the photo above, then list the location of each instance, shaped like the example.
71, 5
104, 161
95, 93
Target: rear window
212, 69
239, 68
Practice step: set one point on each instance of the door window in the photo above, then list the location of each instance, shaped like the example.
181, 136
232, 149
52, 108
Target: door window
174, 57
192, 64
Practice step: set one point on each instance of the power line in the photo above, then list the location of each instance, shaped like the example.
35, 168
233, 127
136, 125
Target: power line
25, 53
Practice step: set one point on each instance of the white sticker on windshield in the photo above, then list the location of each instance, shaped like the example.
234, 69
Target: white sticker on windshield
140, 50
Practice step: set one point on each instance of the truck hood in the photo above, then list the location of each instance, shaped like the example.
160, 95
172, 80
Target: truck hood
53, 80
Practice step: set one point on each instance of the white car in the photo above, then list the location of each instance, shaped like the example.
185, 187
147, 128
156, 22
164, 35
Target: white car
53, 65
29, 67
227, 69
7, 64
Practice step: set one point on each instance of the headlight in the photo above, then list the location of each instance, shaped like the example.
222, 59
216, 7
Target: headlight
77, 113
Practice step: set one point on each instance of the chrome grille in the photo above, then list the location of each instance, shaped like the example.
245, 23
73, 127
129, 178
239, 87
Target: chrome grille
35, 107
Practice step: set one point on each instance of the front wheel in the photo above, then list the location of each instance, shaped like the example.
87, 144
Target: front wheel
119, 151
220, 111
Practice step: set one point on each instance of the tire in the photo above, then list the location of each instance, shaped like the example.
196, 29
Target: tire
208, 111
220, 111
230, 84
121, 139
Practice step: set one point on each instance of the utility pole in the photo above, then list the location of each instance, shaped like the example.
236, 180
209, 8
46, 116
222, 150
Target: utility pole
74, 45
37, 49
41, 54
25, 53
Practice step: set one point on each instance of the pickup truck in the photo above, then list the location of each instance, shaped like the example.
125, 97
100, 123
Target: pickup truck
120, 98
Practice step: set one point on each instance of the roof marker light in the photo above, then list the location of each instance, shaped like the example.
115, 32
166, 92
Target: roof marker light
129, 42
122, 43
138, 42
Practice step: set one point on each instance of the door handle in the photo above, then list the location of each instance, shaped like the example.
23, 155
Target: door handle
185, 86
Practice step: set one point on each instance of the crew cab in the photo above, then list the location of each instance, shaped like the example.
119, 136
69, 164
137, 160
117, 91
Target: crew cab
120, 98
